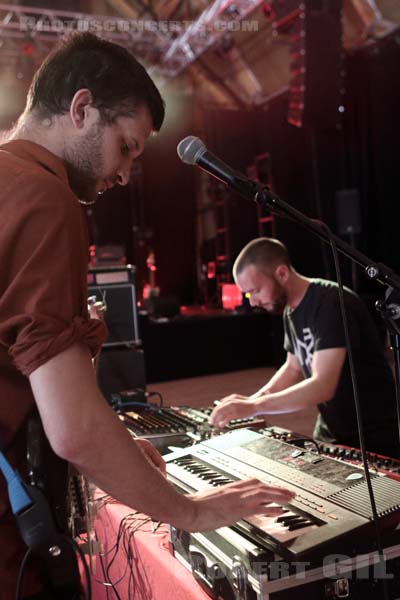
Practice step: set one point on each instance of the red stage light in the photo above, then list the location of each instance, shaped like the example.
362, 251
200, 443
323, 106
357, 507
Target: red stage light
231, 296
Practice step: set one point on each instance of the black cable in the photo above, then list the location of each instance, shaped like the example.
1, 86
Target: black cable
129, 542
78, 550
127, 531
128, 526
294, 441
105, 583
151, 394
21, 574
375, 515
120, 536
128, 551
111, 561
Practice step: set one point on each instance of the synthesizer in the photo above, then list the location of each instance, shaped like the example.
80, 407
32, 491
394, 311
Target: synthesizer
330, 512
178, 426
386, 465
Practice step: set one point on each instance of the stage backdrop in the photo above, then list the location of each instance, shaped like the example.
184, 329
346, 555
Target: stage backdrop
309, 166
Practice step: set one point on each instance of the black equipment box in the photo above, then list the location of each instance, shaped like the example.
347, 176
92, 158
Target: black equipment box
230, 566
120, 368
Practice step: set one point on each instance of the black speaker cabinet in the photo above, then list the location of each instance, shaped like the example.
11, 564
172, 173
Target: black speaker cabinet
120, 369
348, 213
115, 286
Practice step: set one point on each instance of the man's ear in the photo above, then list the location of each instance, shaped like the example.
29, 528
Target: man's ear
282, 273
81, 108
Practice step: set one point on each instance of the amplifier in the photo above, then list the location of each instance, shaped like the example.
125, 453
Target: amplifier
115, 287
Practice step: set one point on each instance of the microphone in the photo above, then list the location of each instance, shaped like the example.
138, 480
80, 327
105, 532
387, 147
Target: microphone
192, 151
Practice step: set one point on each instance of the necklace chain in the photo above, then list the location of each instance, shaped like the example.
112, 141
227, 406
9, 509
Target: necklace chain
86, 203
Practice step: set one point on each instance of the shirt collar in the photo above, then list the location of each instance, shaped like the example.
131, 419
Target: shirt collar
291, 310
33, 152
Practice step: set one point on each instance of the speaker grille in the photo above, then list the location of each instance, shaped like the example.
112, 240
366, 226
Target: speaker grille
356, 499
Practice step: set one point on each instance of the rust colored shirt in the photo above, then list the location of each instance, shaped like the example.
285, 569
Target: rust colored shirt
43, 304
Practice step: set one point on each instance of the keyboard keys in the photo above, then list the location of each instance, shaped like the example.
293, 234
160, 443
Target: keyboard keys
200, 476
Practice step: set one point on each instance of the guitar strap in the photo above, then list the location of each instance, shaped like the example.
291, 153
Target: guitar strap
41, 514
50, 474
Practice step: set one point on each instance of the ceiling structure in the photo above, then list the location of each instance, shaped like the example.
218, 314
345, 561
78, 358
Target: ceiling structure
232, 52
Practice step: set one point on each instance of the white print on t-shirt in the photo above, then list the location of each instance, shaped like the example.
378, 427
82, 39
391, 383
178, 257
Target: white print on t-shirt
303, 350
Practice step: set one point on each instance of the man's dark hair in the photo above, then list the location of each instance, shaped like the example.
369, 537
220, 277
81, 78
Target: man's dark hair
118, 82
265, 253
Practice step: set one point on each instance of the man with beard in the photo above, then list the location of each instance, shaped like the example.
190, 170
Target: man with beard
316, 371
90, 109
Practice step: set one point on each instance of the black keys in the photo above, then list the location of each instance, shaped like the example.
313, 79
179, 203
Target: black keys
293, 521
202, 471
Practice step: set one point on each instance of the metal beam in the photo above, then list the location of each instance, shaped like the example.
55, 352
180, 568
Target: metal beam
168, 46
221, 17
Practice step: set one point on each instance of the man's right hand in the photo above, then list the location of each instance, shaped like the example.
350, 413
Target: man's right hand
233, 407
229, 503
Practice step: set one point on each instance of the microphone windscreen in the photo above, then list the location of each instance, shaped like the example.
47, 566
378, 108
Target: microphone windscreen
190, 149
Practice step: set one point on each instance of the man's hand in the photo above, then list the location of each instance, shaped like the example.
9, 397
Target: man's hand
152, 454
232, 407
230, 503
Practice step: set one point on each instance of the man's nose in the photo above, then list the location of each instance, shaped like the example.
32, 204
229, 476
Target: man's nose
253, 301
123, 176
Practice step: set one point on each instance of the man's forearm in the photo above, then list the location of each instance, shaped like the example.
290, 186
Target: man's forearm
319, 388
285, 377
139, 483
84, 430
304, 394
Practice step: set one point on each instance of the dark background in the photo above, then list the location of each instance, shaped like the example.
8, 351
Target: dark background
308, 167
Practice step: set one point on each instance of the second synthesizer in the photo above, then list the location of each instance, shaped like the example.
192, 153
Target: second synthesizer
331, 508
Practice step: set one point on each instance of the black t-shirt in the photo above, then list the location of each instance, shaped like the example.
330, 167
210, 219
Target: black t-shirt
316, 324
